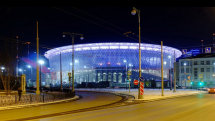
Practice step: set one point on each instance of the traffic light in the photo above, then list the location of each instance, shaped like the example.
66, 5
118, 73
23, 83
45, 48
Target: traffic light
201, 83
191, 83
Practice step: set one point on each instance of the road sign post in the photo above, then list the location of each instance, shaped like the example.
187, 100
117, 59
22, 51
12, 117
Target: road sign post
141, 85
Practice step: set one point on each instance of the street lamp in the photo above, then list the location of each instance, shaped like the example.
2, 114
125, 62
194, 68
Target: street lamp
73, 36
126, 72
31, 70
2, 68
21, 70
184, 74
69, 66
133, 12
40, 62
170, 60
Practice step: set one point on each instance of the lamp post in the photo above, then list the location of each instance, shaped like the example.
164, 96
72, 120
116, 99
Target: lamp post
73, 36
37, 68
131, 65
184, 74
170, 60
170, 71
31, 71
133, 12
126, 72
40, 62
2, 70
21, 70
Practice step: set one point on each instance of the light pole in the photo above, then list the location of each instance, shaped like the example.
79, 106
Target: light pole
69, 66
133, 12
185, 74
126, 72
2, 70
73, 36
170, 71
202, 46
40, 62
130, 78
21, 70
170, 60
31, 71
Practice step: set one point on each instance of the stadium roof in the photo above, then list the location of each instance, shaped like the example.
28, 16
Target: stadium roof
115, 45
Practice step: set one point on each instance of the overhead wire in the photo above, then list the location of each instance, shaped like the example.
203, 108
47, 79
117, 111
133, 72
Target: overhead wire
114, 25
25, 42
99, 24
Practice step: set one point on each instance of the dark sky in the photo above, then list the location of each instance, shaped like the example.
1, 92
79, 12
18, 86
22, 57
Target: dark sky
176, 26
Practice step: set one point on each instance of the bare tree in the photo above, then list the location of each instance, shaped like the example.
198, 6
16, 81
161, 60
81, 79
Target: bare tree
8, 66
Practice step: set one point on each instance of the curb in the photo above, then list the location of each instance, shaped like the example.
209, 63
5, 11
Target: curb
163, 98
38, 104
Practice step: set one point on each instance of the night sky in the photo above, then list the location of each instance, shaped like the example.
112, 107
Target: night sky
179, 27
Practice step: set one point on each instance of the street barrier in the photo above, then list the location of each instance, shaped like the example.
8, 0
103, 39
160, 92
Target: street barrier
12, 100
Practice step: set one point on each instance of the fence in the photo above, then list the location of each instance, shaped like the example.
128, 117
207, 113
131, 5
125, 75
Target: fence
12, 100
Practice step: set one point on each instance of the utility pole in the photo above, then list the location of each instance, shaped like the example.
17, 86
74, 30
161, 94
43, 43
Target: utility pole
202, 46
28, 48
37, 91
174, 74
61, 73
17, 57
162, 67
73, 63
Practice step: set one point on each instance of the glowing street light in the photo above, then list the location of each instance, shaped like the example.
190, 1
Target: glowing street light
31, 70
73, 36
126, 73
133, 12
21, 70
41, 62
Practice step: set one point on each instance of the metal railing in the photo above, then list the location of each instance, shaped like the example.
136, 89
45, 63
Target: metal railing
12, 100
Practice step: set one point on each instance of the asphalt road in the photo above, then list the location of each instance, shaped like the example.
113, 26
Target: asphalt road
89, 99
200, 107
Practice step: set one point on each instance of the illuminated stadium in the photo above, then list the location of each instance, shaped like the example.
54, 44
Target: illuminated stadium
97, 62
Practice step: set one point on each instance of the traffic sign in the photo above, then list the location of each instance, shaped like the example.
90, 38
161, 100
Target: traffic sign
184, 51
141, 78
188, 81
129, 73
208, 50
200, 75
135, 82
188, 77
69, 74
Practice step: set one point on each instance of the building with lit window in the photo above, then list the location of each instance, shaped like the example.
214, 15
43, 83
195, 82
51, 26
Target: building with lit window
96, 62
196, 71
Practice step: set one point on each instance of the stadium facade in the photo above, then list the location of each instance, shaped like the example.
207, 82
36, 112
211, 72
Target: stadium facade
97, 62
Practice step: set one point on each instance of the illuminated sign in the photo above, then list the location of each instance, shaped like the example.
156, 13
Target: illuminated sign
208, 50
184, 51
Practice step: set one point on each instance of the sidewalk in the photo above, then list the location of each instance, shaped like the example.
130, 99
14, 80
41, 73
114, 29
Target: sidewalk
151, 94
